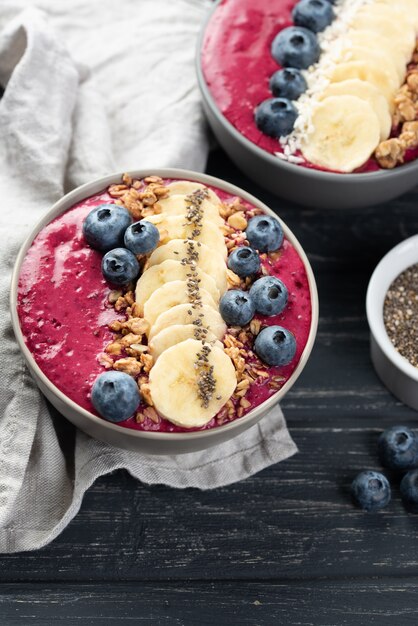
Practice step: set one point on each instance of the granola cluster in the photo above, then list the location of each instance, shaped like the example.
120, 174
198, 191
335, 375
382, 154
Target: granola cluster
391, 152
128, 351
140, 197
249, 369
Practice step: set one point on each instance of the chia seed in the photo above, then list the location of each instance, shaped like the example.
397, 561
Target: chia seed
400, 314
206, 382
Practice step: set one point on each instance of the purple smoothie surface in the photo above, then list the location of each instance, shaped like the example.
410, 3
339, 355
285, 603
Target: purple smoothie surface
64, 311
237, 66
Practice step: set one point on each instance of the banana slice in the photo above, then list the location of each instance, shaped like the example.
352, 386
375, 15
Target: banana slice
345, 133
388, 22
392, 13
368, 93
175, 227
174, 384
186, 187
172, 335
379, 77
368, 39
168, 296
179, 314
155, 277
208, 260
408, 7
376, 57
177, 205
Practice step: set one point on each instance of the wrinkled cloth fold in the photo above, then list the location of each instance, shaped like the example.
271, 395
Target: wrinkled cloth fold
126, 99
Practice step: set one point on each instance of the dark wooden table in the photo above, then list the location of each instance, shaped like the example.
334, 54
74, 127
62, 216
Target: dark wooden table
284, 547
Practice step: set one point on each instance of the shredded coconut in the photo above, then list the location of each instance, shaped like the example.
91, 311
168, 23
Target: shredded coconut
291, 158
318, 76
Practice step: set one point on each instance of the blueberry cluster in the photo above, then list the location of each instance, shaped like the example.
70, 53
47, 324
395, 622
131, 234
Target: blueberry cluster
109, 228
295, 48
398, 451
268, 295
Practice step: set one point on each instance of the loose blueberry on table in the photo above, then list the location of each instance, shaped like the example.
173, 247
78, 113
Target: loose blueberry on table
398, 448
398, 451
191, 307
371, 491
409, 490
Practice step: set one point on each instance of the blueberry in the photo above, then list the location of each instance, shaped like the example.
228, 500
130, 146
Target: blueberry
276, 117
370, 491
115, 396
120, 266
104, 226
313, 14
398, 448
295, 46
264, 233
409, 490
275, 345
244, 261
237, 307
288, 83
269, 295
141, 237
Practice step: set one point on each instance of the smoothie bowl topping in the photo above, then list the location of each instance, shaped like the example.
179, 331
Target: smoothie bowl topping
328, 85
175, 306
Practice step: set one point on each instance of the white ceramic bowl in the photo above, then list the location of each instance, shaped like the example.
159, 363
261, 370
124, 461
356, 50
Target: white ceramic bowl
395, 371
153, 442
308, 187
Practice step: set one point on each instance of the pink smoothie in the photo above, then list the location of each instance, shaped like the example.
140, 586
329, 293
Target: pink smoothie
237, 65
64, 311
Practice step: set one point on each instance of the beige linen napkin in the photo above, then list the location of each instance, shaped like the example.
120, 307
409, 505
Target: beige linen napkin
61, 125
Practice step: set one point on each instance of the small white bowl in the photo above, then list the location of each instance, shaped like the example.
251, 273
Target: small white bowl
395, 371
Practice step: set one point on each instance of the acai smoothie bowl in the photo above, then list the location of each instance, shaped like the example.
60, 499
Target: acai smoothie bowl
163, 311
316, 100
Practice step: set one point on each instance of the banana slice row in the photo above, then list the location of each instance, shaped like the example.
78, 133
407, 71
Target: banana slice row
354, 112
184, 319
175, 227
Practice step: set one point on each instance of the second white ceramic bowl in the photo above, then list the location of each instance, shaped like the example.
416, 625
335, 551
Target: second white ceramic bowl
395, 371
308, 187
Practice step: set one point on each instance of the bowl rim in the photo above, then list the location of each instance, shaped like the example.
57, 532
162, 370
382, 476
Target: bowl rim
311, 173
379, 284
97, 185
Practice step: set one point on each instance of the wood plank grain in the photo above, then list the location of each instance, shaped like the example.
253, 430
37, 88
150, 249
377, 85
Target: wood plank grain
292, 521
345, 603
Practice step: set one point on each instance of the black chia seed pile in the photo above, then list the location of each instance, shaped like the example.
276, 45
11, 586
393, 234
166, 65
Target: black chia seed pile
400, 314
